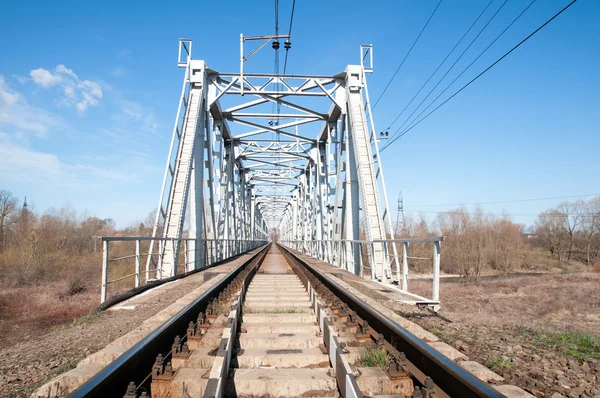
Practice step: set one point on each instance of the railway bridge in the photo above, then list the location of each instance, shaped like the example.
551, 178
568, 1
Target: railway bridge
257, 157
274, 204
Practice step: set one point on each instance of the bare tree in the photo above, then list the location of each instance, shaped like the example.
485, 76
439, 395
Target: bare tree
506, 242
549, 231
591, 230
8, 205
572, 221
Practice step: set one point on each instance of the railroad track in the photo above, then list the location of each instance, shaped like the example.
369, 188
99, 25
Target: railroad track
277, 327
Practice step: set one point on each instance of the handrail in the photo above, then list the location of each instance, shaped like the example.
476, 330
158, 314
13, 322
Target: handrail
448, 375
135, 362
346, 249
210, 257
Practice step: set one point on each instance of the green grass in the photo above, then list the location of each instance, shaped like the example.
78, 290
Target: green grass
438, 332
577, 344
500, 362
65, 367
374, 357
86, 318
60, 369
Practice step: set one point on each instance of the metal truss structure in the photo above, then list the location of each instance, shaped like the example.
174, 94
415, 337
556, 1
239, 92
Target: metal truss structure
295, 156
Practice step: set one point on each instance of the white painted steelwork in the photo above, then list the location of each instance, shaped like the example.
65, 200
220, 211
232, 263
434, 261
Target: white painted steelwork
309, 171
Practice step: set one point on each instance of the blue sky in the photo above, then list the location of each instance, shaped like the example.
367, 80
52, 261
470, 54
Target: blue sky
88, 95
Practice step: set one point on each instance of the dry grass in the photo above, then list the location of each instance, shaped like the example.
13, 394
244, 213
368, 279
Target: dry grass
32, 309
557, 301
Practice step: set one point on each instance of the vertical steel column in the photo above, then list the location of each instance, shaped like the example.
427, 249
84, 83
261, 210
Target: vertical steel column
148, 262
253, 234
436, 270
352, 205
104, 286
404, 275
137, 263
197, 189
367, 177
295, 216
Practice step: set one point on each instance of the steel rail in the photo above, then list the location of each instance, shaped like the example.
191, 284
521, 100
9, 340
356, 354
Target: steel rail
454, 380
135, 363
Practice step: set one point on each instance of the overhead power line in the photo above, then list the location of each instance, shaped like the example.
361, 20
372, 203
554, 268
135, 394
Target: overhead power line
482, 73
443, 61
507, 214
290, 34
460, 74
407, 54
449, 69
513, 201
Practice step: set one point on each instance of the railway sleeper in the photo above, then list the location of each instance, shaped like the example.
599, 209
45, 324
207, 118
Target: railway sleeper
192, 360
279, 331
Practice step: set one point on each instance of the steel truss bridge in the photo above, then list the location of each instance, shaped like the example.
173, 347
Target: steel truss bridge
257, 157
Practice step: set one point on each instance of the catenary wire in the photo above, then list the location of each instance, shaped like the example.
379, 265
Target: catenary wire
482, 73
512, 201
451, 67
507, 214
290, 35
442, 63
461, 73
407, 54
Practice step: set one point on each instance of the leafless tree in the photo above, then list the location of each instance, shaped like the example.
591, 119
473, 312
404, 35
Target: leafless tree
8, 205
591, 230
572, 221
549, 231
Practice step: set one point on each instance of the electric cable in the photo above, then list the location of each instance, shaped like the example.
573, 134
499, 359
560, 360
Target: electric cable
513, 201
457, 77
407, 54
442, 63
287, 45
482, 73
451, 67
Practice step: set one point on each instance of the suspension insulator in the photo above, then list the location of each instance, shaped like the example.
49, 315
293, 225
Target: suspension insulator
287, 45
276, 45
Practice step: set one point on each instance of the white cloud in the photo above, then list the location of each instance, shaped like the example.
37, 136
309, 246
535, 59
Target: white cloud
81, 94
69, 92
132, 111
20, 163
16, 112
7, 99
66, 71
45, 78
22, 79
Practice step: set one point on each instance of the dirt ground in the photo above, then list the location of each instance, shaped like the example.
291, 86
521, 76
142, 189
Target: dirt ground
30, 357
541, 333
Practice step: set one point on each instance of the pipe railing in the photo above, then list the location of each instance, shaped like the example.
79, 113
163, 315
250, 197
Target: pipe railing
128, 266
353, 256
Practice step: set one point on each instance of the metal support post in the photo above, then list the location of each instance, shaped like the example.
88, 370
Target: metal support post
436, 270
137, 263
404, 276
148, 262
104, 271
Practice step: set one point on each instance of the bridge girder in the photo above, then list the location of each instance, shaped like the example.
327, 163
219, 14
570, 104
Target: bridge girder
241, 172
